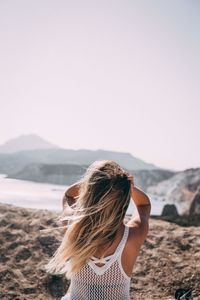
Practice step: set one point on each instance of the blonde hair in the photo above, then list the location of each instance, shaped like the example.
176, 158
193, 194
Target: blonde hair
99, 209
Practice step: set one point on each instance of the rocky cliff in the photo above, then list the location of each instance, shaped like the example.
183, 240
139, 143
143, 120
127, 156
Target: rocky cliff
179, 189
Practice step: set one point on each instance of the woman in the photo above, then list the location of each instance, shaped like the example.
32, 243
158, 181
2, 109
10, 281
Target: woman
99, 250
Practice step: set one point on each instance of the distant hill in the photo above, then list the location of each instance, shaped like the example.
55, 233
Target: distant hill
67, 174
28, 149
30, 157
19, 152
14, 162
25, 142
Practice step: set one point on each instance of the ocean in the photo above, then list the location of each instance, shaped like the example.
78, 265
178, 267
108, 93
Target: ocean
48, 196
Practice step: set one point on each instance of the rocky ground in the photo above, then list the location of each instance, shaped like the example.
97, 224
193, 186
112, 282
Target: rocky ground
169, 259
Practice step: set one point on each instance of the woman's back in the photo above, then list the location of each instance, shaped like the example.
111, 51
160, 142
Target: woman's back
108, 281
101, 201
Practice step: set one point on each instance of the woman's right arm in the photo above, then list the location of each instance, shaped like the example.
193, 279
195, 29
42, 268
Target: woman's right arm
142, 203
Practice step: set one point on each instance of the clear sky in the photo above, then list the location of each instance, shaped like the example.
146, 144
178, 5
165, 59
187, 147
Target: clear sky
109, 74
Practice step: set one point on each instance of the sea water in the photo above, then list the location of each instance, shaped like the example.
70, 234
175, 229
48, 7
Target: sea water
31, 194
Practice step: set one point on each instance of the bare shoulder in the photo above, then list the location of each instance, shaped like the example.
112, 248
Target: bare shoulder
137, 235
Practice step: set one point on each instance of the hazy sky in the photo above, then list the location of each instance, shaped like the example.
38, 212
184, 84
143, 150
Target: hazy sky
116, 75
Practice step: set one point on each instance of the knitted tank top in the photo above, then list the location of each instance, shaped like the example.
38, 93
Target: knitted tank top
106, 282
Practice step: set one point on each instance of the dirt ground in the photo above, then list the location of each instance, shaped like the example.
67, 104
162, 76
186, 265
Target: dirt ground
168, 260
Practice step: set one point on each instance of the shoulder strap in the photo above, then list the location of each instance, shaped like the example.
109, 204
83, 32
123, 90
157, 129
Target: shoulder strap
108, 260
122, 243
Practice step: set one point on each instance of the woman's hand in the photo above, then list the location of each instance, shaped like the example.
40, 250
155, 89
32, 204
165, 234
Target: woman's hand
131, 179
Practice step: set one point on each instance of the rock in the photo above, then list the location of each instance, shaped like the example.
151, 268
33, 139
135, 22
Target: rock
6, 274
13, 245
195, 205
3, 258
49, 244
29, 290
23, 254
170, 210
56, 285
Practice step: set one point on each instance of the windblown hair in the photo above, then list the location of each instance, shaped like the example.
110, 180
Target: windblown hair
97, 213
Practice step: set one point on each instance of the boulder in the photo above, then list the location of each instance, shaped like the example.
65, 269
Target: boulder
169, 210
195, 205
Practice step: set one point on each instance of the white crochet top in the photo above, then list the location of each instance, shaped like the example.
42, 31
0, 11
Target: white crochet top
106, 282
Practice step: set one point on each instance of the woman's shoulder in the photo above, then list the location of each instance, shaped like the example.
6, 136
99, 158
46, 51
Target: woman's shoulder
137, 234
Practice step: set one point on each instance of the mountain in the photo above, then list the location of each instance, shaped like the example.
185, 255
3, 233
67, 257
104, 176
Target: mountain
180, 189
14, 162
29, 157
27, 149
66, 174
25, 142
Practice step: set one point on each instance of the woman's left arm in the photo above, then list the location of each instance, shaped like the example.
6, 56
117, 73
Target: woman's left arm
69, 198
71, 194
